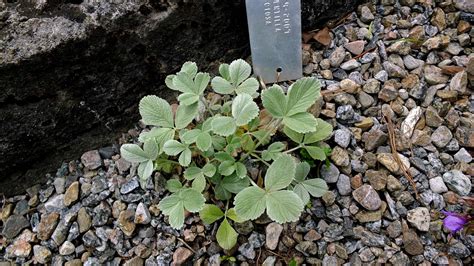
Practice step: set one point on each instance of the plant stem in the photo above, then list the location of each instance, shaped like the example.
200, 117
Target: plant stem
207, 105
293, 149
260, 159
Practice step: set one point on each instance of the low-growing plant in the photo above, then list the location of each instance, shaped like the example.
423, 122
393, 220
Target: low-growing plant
222, 141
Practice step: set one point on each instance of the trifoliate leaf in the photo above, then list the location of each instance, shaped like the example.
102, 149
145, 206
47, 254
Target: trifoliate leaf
249, 86
173, 206
280, 173
233, 216
174, 147
302, 193
159, 134
199, 183
301, 95
323, 131
200, 82
156, 111
301, 122
250, 203
184, 158
184, 83
133, 153
316, 186
210, 213
283, 206
293, 135
226, 235
239, 70
190, 136
185, 115
316, 153
223, 125
274, 100
204, 141
209, 170
302, 170
145, 169
244, 109
240, 170
221, 85
150, 147
173, 185
227, 168
193, 200
188, 98
273, 151
189, 68
192, 172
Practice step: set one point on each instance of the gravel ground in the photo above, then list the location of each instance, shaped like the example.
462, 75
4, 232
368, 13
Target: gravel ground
409, 61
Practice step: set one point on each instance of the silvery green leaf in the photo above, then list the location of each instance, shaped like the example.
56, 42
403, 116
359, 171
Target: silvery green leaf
316, 152
316, 186
273, 151
169, 82
209, 169
250, 203
224, 71
204, 141
302, 193
173, 206
159, 134
301, 122
193, 200
301, 95
133, 153
239, 70
223, 125
156, 111
184, 158
174, 147
150, 147
200, 82
240, 170
221, 85
183, 82
188, 98
302, 171
185, 115
234, 184
280, 173
274, 100
226, 235
190, 136
323, 131
199, 183
233, 216
293, 135
173, 185
244, 109
192, 172
210, 213
189, 68
249, 86
283, 206
145, 169
207, 125
227, 168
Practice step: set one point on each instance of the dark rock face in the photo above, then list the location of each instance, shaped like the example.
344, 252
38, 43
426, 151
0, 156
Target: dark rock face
73, 71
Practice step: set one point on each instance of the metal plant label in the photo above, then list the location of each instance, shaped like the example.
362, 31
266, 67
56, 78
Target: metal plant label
275, 39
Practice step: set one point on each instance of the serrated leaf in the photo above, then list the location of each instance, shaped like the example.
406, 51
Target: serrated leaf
160, 135
293, 135
283, 206
200, 82
301, 95
173, 185
249, 86
224, 71
218, 142
221, 85
316, 152
173, 206
199, 183
150, 147
207, 125
280, 173
190, 136
316, 186
185, 114
204, 141
184, 158
223, 156
250, 203
226, 235
189, 68
173, 147
145, 169
323, 131
239, 70
184, 83
301, 191
133, 153
188, 98
193, 200
301, 122
240, 170
169, 82
233, 216
302, 171
155, 111
227, 168
192, 172
234, 184
274, 100
223, 125
209, 170
210, 213
244, 109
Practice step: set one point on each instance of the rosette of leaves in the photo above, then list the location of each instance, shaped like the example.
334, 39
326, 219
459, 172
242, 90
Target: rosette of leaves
235, 78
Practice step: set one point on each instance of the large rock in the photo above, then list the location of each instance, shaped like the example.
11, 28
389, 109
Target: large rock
72, 72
